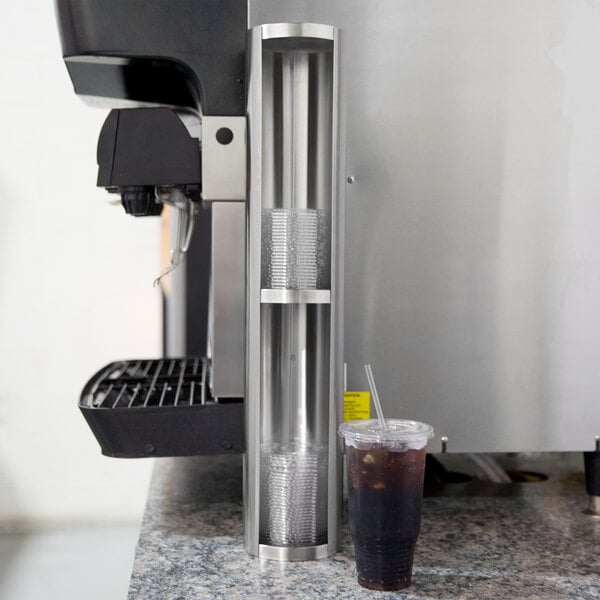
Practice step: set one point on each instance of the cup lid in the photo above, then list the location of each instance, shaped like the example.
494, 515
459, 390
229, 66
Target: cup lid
398, 430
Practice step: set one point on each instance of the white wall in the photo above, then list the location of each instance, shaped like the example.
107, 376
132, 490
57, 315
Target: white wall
75, 287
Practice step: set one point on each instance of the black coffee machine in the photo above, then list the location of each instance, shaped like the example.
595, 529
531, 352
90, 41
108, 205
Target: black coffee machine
171, 62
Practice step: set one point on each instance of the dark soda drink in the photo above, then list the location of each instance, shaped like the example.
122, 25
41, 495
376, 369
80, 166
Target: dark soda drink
385, 494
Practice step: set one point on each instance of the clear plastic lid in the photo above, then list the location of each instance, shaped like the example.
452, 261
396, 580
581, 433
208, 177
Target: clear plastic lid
399, 431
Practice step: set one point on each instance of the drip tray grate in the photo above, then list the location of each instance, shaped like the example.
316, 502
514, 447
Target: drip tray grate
160, 407
166, 382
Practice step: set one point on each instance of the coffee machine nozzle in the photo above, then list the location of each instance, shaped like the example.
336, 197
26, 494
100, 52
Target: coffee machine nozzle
132, 147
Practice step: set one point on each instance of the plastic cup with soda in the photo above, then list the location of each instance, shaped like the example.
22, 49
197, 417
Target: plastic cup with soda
386, 468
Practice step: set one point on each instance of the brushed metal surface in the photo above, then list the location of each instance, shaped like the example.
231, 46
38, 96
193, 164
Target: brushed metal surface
252, 506
224, 164
472, 136
174, 290
295, 296
227, 300
291, 398
298, 30
293, 554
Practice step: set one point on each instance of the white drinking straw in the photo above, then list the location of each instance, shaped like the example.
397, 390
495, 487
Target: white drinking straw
375, 395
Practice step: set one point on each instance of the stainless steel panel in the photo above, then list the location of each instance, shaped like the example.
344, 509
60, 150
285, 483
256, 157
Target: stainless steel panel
224, 164
174, 290
472, 136
253, 277
227, 325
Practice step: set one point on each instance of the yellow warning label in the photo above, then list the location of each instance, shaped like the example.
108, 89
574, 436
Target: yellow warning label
357, 405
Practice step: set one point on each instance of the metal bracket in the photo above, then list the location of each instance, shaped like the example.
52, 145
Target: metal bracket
224, 159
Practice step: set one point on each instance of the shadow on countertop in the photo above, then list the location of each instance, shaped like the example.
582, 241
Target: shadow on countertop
541, 473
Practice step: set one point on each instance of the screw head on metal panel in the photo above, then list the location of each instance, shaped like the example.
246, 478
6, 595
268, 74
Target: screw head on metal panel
149, 449
444, 440
227, 445
350, 179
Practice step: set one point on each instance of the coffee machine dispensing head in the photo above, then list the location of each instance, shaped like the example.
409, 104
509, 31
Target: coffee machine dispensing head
131, 155
293, 351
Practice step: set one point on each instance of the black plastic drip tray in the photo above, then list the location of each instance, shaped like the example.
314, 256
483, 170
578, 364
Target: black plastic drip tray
160, 407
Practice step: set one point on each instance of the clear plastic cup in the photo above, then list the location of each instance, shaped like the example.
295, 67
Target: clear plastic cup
385, 493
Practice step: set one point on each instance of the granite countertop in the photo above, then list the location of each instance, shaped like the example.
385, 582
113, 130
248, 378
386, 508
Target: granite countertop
478, 540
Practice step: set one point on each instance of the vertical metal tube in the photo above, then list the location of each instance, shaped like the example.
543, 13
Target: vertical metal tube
334, 492
299, 96
251, 481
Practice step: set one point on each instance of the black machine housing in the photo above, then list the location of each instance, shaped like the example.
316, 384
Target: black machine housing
167, 59
184, 53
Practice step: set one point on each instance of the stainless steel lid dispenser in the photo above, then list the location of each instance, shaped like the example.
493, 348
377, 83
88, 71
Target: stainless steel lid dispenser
294, 303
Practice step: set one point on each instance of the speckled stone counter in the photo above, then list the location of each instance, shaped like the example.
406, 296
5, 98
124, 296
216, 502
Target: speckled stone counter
477, 541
